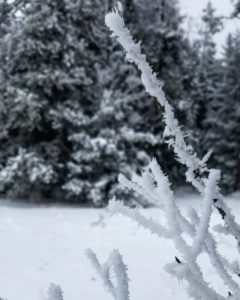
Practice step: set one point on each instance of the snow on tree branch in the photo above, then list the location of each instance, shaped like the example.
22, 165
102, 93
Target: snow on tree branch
196, 168
202, 241
156, 188
155, 228
118, 290
210, 193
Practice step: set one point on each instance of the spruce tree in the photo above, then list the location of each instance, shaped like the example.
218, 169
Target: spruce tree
50, 68
72, 120
6, 14
236, 9
109, 141
225, 117
206, 80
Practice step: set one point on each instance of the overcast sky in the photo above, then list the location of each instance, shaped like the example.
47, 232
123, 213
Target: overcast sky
193, 8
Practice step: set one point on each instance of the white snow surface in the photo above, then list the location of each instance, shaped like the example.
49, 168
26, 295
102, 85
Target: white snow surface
46, 244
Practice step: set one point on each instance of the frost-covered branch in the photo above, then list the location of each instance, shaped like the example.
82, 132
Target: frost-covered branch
210, 192
155, 187
115, 264
155, 228
198, 230
196, 168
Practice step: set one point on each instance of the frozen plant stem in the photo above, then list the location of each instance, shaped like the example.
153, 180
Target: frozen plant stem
187, 267
115, 264
155, 187
196, 168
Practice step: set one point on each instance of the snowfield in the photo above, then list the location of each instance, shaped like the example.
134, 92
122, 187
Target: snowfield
40, 245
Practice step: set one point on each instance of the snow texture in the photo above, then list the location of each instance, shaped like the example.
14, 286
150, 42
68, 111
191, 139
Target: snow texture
40, 245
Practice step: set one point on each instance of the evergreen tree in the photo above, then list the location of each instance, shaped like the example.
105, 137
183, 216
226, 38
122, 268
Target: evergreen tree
206, 81
71, 121
108, 142
215, 92
112, 145
225, 118
236, 10
6, 14
50, 67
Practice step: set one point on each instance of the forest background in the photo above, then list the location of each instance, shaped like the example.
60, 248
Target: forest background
74, 114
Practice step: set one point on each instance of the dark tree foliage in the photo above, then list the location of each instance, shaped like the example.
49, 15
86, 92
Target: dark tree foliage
51, 51
224, 117
74, 114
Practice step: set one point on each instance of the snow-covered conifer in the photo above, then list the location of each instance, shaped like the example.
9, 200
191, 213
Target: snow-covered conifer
113, 139
105, 145
25, 175
206, 81
51, 50
236, 10
224, 116
55, 292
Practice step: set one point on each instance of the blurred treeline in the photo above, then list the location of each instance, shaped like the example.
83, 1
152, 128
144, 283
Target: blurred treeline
74, 114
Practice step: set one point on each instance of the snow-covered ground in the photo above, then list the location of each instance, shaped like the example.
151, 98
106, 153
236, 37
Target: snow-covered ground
40, 245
